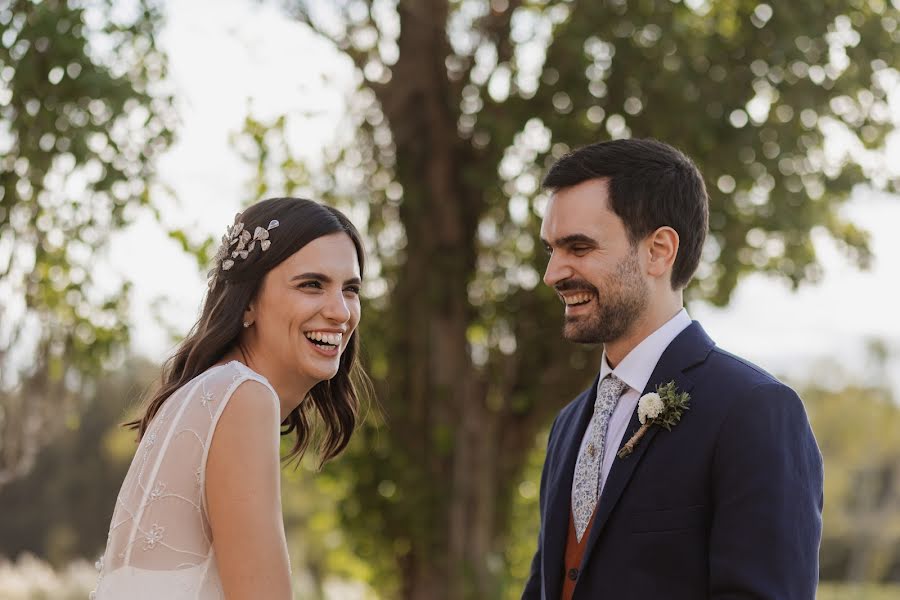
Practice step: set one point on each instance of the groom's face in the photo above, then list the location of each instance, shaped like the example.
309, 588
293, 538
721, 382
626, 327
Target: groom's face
593, 266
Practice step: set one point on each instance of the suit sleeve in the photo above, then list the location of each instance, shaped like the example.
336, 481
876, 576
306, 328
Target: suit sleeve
535, 581
767, 500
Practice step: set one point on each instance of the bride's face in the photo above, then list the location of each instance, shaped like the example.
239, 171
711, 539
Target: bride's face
307, 308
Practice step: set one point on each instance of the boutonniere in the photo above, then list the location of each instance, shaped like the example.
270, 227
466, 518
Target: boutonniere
663, 407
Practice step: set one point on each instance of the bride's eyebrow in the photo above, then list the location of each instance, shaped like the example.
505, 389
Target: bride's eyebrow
316, 276
324, 278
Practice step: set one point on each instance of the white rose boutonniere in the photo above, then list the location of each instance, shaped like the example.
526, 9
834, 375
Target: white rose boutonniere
663, 407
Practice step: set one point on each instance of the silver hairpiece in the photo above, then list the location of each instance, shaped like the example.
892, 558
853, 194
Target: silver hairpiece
237, 236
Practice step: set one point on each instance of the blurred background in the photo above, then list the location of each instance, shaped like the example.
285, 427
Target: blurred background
131, 132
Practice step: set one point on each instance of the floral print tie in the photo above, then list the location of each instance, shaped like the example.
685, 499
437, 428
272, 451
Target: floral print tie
587, 469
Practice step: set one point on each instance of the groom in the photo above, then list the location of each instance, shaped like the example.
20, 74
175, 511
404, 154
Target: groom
725, 504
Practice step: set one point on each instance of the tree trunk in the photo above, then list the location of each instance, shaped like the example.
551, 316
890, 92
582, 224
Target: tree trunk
469, 455
438, 380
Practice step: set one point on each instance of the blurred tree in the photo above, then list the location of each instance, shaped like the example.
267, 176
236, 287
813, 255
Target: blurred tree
858, 429
63, 506
460, 107
317, 544
83, 115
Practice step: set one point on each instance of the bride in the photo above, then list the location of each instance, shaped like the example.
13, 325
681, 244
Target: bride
199, 513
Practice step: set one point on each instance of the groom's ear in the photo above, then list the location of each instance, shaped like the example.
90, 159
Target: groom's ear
662, 248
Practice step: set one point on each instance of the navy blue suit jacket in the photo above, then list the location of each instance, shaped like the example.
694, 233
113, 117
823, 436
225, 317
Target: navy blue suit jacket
726, 505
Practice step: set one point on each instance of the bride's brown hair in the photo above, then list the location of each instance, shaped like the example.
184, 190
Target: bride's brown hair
218, 329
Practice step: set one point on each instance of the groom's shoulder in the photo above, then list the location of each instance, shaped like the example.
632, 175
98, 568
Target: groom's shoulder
737, 371
704, 360
749, 403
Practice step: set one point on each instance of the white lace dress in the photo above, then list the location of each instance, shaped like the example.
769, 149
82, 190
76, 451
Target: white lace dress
160, 543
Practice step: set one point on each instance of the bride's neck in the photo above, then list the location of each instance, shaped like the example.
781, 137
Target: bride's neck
291, 388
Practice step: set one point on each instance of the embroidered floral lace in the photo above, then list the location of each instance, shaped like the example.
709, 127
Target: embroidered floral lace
160, 542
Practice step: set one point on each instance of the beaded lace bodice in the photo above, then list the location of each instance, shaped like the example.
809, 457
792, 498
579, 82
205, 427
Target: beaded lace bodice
160, 542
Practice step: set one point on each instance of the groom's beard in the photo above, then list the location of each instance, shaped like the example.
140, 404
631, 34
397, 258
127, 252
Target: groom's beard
623, 299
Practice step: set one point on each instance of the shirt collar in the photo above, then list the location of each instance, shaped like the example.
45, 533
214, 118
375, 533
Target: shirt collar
637, 366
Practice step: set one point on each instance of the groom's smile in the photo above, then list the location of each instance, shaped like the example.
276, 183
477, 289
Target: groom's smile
578, 296
576, 312
577, 299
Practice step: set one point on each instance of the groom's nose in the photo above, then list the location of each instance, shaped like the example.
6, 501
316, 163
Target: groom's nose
557, 269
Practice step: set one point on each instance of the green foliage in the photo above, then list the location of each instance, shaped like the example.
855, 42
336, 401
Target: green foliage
82, 119
675, 403
317, 542
523, 523
83, 115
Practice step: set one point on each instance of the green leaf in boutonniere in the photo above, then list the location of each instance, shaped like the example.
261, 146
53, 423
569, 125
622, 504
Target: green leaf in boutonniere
663, 407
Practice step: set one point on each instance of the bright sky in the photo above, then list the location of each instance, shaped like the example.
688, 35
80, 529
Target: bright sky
226, 55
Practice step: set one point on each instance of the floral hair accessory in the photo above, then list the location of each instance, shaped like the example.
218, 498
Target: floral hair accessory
243, 241
663, 407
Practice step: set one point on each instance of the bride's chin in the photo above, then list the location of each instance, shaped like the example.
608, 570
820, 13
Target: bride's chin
316, 372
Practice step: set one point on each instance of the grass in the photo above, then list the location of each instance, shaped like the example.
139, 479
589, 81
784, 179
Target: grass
30, 578
846, 591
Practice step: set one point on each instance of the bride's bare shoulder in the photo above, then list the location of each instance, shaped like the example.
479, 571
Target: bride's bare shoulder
249, 422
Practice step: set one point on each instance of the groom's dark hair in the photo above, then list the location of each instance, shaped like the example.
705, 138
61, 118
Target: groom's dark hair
651, 185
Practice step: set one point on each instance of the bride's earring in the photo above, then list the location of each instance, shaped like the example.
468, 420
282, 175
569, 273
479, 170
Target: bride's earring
246, 324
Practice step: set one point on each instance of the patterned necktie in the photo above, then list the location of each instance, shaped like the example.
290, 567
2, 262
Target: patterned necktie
590, 459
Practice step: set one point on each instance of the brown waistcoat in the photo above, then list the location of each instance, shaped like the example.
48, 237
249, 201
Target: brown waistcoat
574, 554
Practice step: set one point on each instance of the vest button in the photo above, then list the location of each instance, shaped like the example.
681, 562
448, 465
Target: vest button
573, 574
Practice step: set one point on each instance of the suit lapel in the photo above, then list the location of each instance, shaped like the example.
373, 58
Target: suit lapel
559, 493
690, 347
